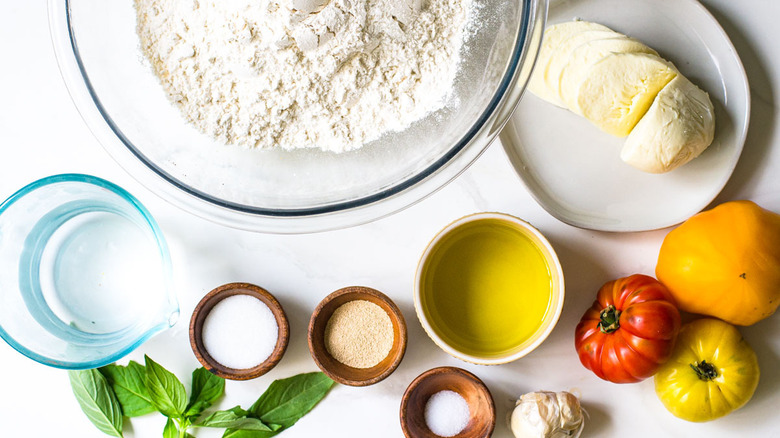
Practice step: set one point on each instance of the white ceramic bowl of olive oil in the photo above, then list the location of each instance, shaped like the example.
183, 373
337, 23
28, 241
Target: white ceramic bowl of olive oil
489, 288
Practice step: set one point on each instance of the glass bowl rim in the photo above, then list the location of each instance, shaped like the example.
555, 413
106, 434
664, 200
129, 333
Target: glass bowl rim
410, 190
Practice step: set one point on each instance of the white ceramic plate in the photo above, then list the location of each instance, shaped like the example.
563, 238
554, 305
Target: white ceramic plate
574, 170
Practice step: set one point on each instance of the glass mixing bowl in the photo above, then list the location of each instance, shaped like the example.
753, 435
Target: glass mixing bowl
281, 191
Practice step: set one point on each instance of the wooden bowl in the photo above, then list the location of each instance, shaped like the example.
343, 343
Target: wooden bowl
204, 307
336, 370
469, 386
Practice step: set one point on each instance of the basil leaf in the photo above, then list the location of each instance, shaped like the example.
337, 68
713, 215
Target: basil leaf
235, 433
129, 387
287, 400
97, 400
170, 430
235, 418
206, 389
244, 433
167, 393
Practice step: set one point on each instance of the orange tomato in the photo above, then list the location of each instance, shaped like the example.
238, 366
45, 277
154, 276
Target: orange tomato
725, 262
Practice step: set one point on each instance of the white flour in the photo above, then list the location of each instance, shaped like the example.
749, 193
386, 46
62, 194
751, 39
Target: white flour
333, 74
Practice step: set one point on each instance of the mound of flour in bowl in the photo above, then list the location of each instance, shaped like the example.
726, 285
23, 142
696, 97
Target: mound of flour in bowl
332, 74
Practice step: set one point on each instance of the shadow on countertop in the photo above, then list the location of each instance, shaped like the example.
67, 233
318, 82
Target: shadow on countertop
762, 111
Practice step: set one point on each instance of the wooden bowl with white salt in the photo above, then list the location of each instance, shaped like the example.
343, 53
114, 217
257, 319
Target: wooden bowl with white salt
239, 331
447, 402
357, 336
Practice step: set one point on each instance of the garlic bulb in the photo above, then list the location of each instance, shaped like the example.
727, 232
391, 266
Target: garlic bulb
546, 414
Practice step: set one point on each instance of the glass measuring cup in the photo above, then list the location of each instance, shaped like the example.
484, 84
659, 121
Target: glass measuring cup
85, 273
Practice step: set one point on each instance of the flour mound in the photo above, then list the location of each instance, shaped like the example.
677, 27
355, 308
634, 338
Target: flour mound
331, 74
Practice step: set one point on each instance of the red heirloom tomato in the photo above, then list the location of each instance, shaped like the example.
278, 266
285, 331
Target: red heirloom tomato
629, 331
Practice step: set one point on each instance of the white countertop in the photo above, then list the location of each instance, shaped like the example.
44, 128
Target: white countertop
42, 134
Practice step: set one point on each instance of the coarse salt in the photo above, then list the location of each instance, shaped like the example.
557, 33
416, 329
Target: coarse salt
447, 413
240, 332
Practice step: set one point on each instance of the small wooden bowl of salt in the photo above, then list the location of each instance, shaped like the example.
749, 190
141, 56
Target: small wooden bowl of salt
447, 402
357, 336
239, 331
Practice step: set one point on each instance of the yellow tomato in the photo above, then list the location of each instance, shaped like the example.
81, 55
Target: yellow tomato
725, 263
711, 373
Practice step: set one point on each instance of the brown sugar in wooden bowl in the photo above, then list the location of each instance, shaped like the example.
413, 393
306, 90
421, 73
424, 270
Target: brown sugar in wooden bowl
205, 306
338, 371
482, 411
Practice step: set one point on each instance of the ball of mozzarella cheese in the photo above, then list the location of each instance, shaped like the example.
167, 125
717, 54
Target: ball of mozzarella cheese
554, 36
679, 126
617, 91
626, 89
587, 54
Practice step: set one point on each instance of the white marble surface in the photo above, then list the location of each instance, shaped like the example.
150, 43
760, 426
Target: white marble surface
42, 134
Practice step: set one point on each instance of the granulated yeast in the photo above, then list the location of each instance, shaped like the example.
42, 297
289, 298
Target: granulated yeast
359, 334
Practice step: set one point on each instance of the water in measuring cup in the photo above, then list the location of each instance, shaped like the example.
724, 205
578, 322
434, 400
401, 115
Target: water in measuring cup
100, 273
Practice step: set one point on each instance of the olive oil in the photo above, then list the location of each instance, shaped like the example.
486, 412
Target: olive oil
486, 288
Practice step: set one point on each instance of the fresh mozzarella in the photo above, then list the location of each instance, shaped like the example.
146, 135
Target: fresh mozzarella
679, 126
626, 89
584, 56
561, 54
617, 91
553, 37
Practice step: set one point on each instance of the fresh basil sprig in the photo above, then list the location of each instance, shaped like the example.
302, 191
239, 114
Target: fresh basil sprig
133, 390
235, 418
284, 403
129, 387
287, 400
206, 389
97, 400
170, 430
166, 391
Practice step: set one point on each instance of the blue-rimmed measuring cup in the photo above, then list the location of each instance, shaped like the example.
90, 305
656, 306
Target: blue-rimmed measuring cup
85, 273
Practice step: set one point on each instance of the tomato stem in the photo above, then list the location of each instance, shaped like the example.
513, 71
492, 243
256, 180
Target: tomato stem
704, 370
610, 319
